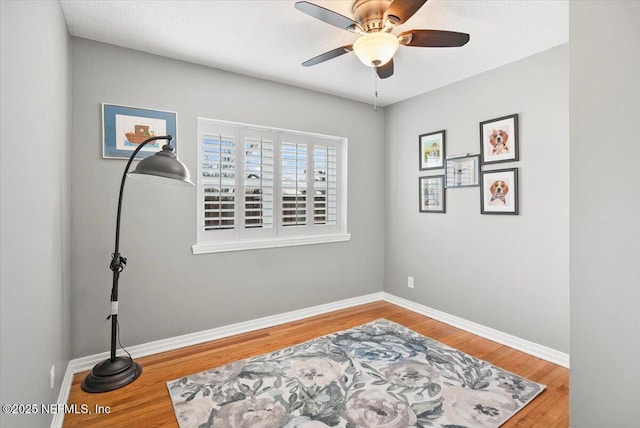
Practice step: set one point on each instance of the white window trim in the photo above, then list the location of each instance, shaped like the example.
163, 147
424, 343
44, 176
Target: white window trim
222, 247
315, 236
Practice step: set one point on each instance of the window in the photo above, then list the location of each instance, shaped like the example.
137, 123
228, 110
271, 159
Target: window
262, 187
218, 186
325, 186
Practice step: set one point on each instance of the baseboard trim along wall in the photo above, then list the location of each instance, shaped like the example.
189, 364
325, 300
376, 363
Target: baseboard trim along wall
86, 363
528, 347
138, 351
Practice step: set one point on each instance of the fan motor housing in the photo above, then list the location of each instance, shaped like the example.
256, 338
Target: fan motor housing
370, 13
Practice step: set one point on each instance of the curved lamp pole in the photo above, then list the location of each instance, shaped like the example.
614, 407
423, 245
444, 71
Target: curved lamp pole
117, 372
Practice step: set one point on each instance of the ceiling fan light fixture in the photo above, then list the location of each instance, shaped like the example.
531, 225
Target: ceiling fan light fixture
376, 49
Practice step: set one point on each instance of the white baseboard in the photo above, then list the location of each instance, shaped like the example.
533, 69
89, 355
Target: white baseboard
528, 347
85, 363
63, 396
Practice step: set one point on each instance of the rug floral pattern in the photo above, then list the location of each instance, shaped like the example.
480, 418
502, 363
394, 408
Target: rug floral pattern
380, 374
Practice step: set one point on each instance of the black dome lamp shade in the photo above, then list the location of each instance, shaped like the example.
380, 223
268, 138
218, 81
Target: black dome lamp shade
164, 166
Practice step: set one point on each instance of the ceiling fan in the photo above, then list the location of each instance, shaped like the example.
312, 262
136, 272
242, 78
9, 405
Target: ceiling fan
374, 21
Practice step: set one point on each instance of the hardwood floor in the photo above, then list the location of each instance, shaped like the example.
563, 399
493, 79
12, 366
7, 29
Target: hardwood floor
146, 402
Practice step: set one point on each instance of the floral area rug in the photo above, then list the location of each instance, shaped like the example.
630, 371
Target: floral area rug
380, 374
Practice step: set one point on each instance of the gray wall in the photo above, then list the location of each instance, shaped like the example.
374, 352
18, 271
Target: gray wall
605, 213
165, 290
34, 254
510, 273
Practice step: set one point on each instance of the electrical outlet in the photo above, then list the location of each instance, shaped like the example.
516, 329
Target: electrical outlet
52, 376
410, 281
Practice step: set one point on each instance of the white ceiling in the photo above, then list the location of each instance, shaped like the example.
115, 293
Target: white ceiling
270, 39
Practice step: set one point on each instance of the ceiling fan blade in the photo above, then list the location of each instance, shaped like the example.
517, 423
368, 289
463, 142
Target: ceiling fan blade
328, 55
326, 15
401, 10
433, 38
386, 70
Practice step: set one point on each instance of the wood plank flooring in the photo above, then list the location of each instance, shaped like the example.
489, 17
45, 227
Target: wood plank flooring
146, 402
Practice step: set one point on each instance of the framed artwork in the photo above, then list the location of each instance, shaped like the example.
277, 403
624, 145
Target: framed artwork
463, 171
499, 192
432, 196
123, 128
499, 139
432, 150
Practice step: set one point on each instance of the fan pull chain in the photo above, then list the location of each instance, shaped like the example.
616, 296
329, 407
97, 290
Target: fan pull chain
375, 89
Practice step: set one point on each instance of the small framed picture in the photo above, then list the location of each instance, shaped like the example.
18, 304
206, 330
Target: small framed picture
499, 139
123, 128
432, 196
499, 192
463, 171
432, 150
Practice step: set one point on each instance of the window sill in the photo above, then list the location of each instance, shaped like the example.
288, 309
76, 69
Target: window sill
223, 247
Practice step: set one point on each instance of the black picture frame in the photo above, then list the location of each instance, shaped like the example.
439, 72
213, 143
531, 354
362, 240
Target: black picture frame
499, 193
499, 140
432, 194
432, 150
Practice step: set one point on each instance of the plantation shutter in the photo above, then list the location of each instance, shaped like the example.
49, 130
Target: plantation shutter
258, 182
260, 187
293, 183
325, 185
218, 181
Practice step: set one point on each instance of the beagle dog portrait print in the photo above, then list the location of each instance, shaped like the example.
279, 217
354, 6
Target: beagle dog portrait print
499, 192
499, 139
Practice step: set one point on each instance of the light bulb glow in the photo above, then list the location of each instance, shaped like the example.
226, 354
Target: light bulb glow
376, 49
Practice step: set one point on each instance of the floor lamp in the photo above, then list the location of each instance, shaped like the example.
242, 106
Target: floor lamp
117, 372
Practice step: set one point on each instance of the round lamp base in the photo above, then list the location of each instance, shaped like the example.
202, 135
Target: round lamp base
111, 374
